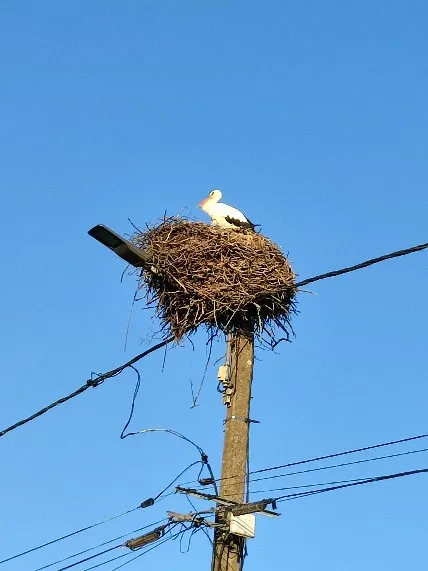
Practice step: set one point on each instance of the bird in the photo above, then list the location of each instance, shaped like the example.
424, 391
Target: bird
224, 215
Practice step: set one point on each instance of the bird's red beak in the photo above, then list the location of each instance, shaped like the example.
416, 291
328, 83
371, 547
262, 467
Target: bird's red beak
203, 202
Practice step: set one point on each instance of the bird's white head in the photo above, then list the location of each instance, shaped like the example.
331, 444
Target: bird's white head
213, 197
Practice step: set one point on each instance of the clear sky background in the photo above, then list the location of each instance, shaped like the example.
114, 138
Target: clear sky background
312, 119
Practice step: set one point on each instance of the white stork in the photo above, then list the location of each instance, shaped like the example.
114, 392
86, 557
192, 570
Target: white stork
222, 214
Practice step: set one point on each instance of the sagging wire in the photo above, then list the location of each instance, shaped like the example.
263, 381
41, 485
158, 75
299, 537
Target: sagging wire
134, 397
204, 456
194, 531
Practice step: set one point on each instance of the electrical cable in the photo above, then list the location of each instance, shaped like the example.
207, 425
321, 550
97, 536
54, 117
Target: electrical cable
100, 545
203, 528
158, 544
69, 535
101, 378
308, 486
204, 456
127, 554
175, 479
134, 397
90, 557
359, 483
346, 452
146, 503
103, 552
89, 383
365, 264
341, 465
326, 457
172, 537
331, 466
169, 431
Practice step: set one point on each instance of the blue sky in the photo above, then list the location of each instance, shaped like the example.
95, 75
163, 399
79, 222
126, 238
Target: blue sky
312, 118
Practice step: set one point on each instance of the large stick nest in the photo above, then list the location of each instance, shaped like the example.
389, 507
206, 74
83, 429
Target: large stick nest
234, 281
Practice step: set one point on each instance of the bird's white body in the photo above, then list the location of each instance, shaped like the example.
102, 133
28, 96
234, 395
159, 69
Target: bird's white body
222, 214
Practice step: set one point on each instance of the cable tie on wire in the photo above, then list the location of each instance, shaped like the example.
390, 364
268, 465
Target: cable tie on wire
99, 378
206, 481
147, 503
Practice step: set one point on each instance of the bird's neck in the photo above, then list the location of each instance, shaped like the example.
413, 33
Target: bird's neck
208, 205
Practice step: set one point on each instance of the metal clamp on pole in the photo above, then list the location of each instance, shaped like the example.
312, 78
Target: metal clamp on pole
242, 419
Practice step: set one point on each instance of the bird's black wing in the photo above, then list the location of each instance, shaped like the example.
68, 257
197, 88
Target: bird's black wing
239, 224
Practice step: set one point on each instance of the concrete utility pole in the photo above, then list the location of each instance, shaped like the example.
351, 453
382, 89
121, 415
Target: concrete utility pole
227, 547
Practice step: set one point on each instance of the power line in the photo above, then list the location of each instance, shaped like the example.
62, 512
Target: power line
126, 544
172, 537
127, 554
343, 484
346, 452
308, 486
90, 557
168, 431
147, 503
114, 372
89, 383
69, 535
175, 479
158, 544
204, 456
100, 545
343, 464
359, 483
328, 456
362, 265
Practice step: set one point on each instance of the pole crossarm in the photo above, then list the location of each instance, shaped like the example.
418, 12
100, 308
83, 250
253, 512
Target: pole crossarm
236, 508
194, 518
204, 496
255, 507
